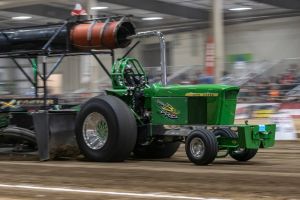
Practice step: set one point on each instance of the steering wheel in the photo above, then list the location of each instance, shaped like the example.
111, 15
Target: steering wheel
130, 78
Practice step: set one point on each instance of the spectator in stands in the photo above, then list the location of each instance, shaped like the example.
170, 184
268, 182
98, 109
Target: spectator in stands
204, 79
287, 81
252, 91
274, 93
298, 80
263, 88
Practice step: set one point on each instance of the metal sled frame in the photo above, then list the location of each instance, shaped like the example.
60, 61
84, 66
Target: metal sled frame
41, 118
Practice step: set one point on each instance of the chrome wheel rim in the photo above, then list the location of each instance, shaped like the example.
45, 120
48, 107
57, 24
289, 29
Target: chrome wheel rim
197, 147
95, 131
239, 151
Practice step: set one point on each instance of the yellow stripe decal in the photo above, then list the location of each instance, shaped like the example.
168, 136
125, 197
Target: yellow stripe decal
201, 94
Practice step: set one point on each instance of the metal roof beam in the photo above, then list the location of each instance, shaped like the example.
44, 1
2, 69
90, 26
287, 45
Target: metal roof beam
289, 4
42, 10
163, 7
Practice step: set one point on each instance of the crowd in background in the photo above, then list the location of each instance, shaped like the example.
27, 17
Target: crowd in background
261, 88
272, 89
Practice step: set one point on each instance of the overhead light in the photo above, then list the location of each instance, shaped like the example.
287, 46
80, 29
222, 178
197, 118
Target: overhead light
99, 8
151, 18
21, 17
240, 9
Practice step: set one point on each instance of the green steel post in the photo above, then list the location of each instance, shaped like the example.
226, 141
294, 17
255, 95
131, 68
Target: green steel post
35, 74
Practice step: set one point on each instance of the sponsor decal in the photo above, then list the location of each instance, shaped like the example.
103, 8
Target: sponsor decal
168, 110
28, 102
17, 103
10, 104
201, 94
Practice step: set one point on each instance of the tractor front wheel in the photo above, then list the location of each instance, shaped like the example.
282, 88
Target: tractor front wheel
243, 154
238, 154
201, 147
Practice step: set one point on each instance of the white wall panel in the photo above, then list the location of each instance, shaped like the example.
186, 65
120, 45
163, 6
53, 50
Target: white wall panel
267, 40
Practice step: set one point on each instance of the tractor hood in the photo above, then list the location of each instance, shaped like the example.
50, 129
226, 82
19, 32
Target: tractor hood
181, 104
204, 90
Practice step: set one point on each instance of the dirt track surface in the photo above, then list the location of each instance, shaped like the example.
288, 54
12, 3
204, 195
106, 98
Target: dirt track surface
272, 174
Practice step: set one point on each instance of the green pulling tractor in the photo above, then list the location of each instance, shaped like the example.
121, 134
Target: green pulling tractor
152, 120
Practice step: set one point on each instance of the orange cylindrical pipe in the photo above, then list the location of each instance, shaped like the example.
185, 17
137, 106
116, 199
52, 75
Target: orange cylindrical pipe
101, 35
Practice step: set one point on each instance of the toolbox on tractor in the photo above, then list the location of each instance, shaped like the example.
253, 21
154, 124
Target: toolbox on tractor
148, 120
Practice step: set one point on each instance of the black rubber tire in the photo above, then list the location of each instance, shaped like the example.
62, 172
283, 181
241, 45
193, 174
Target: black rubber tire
224, 132
18, 134
156, 150
227, 133
243, 155
210, 147
122, 129
239, 155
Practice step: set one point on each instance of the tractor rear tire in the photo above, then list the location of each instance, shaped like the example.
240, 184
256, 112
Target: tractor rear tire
201, 147
106, 129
